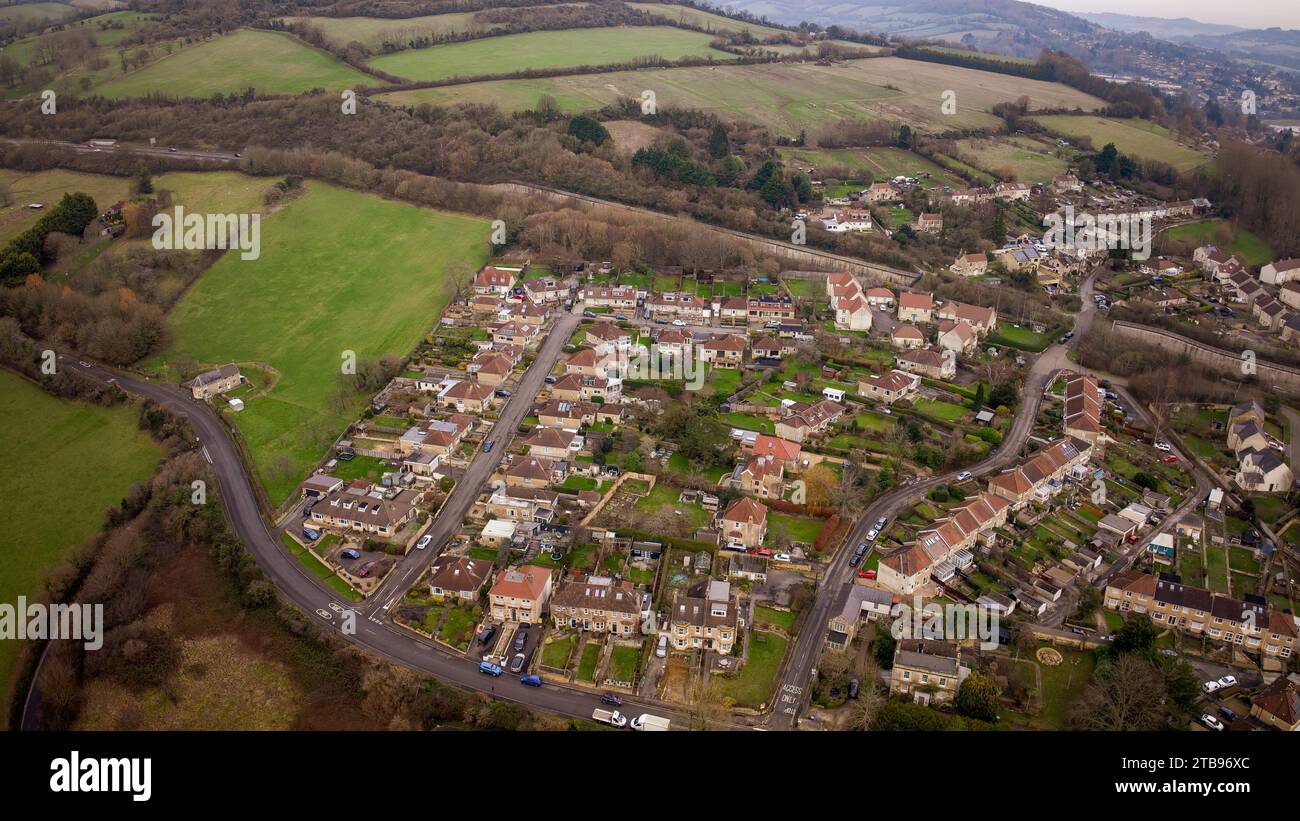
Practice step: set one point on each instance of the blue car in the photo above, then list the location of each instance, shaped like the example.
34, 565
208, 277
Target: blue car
350, 553
310, 534
489, 668
531, 680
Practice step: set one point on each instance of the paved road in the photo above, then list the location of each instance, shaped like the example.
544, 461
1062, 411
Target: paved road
222, 157
312, 597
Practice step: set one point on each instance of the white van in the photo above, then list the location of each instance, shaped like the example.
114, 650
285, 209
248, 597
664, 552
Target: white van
661, 651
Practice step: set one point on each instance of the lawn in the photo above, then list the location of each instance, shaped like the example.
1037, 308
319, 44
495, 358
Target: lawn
52, 443
665, 496
318, 290
1247, 247
623, 661
590, 658
270, 62
786, 97
784, 619
1139, 138
795, 528
556, 654
938, 409
753, 686
1022, 338
547, 49
1217, 567
749, 422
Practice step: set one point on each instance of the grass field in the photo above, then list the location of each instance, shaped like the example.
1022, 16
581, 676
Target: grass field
785, 97
1247, 247
319, 289
48, 187
881, 163
375, 31
753, 686
1138, 138
267, 61
50, 442
35, 12
705, 20
1027, 160
547, 49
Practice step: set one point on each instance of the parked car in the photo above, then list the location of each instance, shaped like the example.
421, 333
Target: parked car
781, 557
589, 314
880, 523
1169, 458
661, 649
1229, 715
679, 323
1211, 722
872, 534
550, 380
1210, 686
531, 680
503, 393
521, 640
517, 663
854, 688
621, 318
365, 569
350, 553
1228, 681
866, 573
489, 668
1161, 445
424, 542
487, 634
964, 475
487, 446
310, 535
611, 698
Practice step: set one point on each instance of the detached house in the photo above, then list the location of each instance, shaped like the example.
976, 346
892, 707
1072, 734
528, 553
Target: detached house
496, 279
804, 420
970, 265
763, 476
928, 670
468, 397
520, 594
981, 320
927, 362
458, 577
534, 471
958, 337
1283, 270
554, 443
888, 387
915, 307
215, 382
723, 350
361, 507
744, 524
906, 336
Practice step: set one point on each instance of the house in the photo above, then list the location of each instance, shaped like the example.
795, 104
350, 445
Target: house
618, 298
840, 279
859, 601
1062, 183
906, 336
520, 594
674, 343
560, 413
785, 452
437, 437
1280, 271
496, 279
498, 533
514, 333
1115, 523
490, 368
687, 307
888, 387
915, 307
1082, 412
945, 546
733, 311
881, 192
847, 220
545, 291
723, 350
1263, 471
361, 507
1277, 704
928, 223
521, 504
215, 382
1269, 313
803, 420
927, 670
573, 387
534, 471
1249, 625
762, 476
958, 337
608, 338
1250, 410
765, 310
554, 443
1289, 294
771, 348
981, 320
970, 265
704, 619
1012, 191
597, 604
744, 524
1019, 258
853, 313
458, 577
1247, 435
748, 566
1162, 548
467, 396
927, 362
588, 362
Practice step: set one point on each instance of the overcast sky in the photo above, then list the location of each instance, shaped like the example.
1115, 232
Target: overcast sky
1244, 13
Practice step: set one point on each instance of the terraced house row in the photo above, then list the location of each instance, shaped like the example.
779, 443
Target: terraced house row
1250, 624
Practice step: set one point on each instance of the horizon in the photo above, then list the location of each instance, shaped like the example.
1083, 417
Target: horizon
1258, 14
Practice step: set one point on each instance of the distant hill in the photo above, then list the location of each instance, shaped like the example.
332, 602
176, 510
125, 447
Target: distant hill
1280, 47
1183, 27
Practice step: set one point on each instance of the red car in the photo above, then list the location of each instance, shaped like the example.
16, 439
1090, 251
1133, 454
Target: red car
1170, 458
867, 574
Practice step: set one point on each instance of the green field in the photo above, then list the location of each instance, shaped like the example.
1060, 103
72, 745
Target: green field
546, 49
705, 20
1138, 138
52, 443
1247, 247
34, 12
270, 62
753, 686
85, 68
881, 163
1007, 157
785, 97
373, 32
321, 287
47, 187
